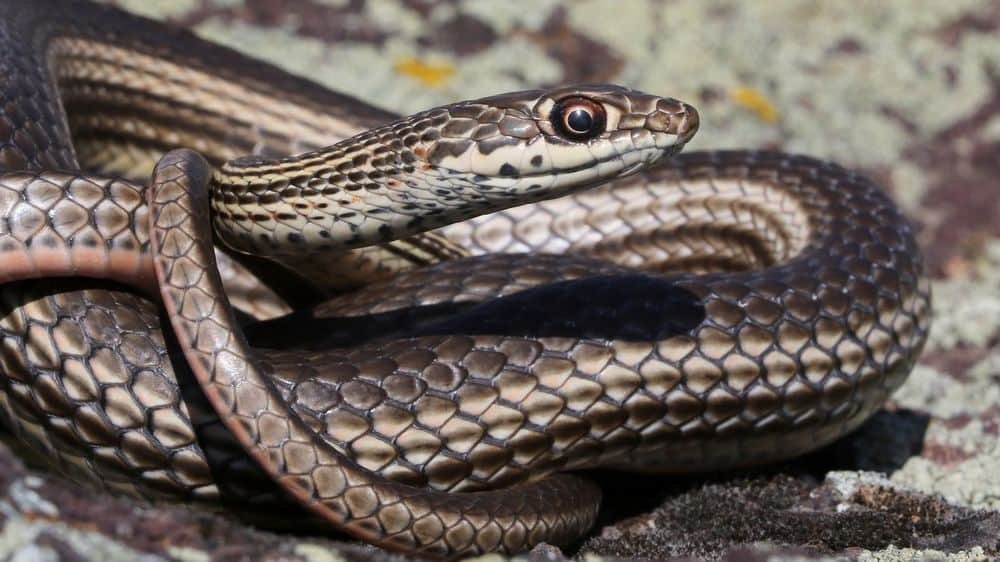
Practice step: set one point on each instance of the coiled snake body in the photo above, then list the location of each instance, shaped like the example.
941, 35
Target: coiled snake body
721, 309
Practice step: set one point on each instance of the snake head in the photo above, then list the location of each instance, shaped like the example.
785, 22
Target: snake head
542, 143
448, 164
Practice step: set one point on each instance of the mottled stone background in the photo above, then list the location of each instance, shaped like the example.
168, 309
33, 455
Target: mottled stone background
906, 90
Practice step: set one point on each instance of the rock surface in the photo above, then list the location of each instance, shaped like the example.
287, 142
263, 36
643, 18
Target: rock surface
907, 91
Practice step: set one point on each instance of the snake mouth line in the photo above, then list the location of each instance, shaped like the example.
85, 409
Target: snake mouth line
649, 160
657, 153
629, 170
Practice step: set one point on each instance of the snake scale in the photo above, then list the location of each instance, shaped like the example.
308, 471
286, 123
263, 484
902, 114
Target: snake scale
711, 311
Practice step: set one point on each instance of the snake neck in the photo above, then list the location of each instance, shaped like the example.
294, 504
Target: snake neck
369, 189
381, 185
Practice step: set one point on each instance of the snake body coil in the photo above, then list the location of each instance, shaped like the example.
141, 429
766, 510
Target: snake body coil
721, 309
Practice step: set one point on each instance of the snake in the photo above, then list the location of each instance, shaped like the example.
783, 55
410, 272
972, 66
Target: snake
224, 284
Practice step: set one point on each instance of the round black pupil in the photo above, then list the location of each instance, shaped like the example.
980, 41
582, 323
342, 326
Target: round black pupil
579, 120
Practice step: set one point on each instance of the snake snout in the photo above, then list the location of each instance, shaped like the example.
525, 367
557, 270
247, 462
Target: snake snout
674, 117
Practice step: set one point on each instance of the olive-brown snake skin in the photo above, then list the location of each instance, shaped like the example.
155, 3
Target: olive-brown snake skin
716, 310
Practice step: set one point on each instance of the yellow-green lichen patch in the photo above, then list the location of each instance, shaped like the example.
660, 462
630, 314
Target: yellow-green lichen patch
859, 91
967, 308
506, 16
429, 73
991, 132
962, 449
895, 554
766, 551
22, 538
159, 10
489, 558
635, 24
277, 45
495, 70
935, 393
317, 553
973, 482
186, 554
394, 17
910, 184
756, 102
395, 75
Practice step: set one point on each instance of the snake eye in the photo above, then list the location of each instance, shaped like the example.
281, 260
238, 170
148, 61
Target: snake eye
578, 118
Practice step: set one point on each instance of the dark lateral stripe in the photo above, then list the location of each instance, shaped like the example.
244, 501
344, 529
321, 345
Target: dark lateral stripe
398, 248
437, 245
119, 103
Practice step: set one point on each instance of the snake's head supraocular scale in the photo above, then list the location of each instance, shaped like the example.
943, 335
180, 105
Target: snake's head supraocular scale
444, 165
